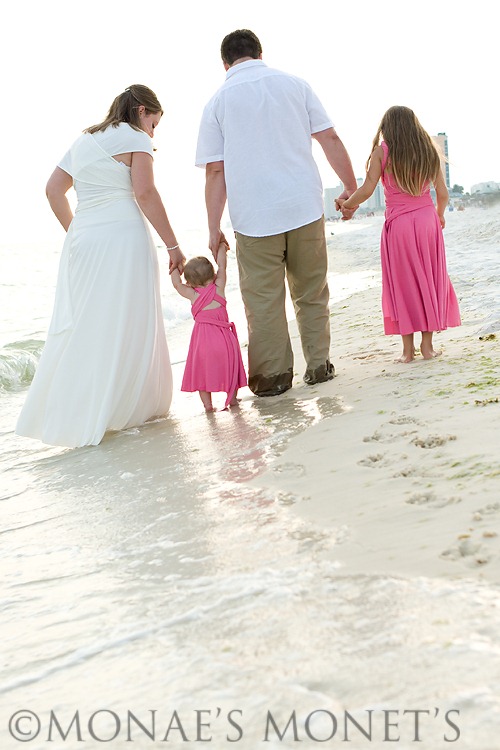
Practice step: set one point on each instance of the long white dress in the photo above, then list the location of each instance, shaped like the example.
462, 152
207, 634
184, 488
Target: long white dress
105, 364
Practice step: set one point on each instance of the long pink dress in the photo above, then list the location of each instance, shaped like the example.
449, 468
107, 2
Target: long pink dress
214, 360
417, 294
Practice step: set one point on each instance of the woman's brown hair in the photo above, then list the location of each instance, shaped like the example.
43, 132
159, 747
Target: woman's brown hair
125, 108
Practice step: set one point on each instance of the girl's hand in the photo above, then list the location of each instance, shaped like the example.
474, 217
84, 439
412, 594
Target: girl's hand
442, 221
347, 213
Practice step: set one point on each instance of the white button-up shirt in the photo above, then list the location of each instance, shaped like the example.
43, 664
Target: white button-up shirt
259, 123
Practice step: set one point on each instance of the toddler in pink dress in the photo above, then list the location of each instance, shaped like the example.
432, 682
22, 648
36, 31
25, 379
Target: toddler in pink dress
214, 360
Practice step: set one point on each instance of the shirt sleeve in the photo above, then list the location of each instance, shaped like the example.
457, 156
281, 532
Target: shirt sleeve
210, 145
318, 117
130, 140
65, 163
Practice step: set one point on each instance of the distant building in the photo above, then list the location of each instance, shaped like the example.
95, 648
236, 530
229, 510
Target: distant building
329, 196
441, 139
485, 187
376, 201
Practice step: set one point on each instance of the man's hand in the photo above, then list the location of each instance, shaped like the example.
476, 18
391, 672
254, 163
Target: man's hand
215, 239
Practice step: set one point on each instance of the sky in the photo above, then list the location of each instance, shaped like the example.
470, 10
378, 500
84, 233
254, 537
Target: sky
64, 61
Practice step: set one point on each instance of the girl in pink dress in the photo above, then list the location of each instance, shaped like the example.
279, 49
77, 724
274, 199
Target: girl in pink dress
417, 294
214, 360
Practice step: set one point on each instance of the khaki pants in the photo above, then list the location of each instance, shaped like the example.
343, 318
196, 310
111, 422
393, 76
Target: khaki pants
264, 263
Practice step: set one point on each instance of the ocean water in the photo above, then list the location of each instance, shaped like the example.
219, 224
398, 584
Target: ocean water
152, 597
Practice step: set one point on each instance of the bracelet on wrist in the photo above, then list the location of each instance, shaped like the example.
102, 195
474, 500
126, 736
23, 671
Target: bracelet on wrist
174, 247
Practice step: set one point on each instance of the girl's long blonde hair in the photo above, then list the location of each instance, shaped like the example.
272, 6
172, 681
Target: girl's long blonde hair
414, 158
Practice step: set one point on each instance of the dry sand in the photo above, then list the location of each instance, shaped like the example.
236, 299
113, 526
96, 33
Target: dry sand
406, 479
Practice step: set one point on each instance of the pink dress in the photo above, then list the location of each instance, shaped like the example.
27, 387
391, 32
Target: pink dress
214, 360
417, 294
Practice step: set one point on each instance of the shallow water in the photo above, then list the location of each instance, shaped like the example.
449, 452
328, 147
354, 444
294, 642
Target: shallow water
149, 574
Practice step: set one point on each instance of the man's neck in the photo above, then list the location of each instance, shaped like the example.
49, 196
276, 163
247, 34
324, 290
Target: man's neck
241, 60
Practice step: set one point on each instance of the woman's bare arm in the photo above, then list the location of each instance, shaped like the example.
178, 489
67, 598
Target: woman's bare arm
58, 185
151, 205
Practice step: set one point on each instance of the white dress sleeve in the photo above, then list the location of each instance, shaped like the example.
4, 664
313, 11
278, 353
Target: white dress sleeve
65, 163
120, 140
124, 140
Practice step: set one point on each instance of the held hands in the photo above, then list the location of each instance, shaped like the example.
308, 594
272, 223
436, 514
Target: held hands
347, 213
177, 260
215, 240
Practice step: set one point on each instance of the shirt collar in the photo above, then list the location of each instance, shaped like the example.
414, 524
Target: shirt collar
246, 64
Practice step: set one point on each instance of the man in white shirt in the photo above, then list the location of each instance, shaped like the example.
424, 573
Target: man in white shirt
255, 144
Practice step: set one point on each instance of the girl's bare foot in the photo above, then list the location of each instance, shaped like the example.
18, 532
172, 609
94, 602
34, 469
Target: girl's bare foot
406, 358
430, 354
408, 349
426, 347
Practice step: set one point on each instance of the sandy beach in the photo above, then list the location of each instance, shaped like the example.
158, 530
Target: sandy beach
406, 478
269, 575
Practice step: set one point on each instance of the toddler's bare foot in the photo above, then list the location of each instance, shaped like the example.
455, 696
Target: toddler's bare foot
206, 399
234, 400
210, 409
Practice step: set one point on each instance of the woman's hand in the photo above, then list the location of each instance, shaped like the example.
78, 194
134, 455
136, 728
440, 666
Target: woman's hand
177, 260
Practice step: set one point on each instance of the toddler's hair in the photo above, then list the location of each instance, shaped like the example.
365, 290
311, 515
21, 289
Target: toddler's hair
199, 271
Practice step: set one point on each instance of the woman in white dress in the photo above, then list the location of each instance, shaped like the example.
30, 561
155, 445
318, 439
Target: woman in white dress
105, 364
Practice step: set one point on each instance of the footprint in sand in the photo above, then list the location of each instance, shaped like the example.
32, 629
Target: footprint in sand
389, 438
433, 441
370, 355
484, 515
472, 552
488, 510
467, 550
403, 419
288, 498
376, 460
295, 470
431, 499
